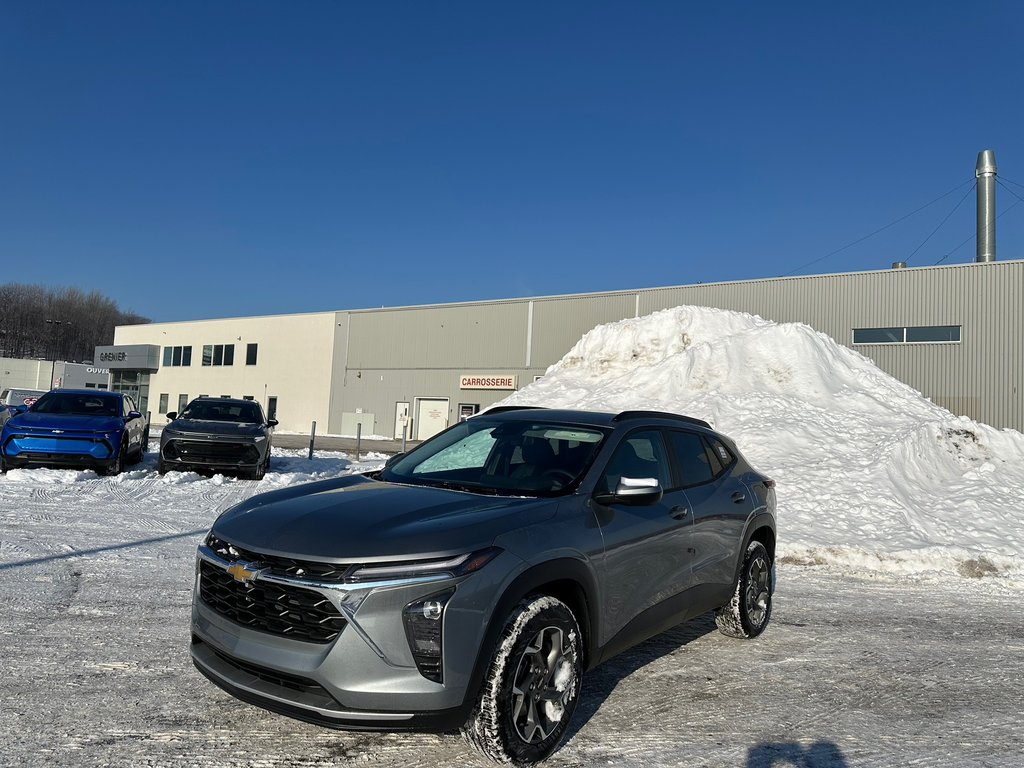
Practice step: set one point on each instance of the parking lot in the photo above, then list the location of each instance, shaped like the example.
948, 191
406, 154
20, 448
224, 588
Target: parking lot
856, 669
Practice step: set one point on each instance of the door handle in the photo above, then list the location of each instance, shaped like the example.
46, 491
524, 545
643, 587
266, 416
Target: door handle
679, 512
738, 498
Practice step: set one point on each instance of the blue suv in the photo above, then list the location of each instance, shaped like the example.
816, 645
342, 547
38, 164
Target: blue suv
76, 428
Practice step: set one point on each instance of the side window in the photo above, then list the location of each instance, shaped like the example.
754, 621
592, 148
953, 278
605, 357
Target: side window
691, 458
641, 454
721, 453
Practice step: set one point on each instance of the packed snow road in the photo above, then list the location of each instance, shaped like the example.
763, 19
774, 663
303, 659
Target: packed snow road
856, 669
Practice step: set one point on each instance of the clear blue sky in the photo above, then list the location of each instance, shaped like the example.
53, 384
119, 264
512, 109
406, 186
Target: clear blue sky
213, 159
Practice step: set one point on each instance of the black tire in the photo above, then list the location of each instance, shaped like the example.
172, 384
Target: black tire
747, 614
532, 685
161, 466
260, 469
143, 446
116, 466
3, 466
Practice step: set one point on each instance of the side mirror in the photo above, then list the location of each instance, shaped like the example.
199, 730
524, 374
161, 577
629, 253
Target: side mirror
172, 415
16, 409
634, 491
272, 422
134, 415
392, 459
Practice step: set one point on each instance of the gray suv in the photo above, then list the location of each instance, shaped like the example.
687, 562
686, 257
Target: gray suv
472, 581
219, 434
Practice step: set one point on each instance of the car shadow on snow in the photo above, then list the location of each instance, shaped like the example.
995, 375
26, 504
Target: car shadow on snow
823, 754
599, 682
97, 550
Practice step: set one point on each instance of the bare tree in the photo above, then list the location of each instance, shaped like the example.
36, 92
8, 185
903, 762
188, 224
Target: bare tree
57, 323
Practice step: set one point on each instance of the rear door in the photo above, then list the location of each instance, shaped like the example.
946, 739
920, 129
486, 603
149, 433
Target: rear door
719, 502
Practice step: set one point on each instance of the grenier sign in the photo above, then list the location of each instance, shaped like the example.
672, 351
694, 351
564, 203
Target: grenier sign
488, 381
137, 357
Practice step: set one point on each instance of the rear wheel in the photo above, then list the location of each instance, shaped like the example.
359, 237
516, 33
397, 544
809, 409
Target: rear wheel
747, 614
532, 685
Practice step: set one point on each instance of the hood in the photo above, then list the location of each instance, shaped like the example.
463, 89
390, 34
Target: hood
227, 428
358, 519
65, 421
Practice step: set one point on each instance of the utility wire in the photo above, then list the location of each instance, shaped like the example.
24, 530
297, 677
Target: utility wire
955, 207
1015, 183
877, 231
1000, 183
973, 235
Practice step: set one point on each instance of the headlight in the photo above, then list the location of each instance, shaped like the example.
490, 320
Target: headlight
450, 566
259, 438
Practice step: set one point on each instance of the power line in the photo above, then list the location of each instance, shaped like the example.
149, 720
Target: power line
877, 231
1000, 183
955, 207
973, 235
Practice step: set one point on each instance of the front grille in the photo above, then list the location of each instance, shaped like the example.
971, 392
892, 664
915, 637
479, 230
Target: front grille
301, 614
284, 566
202, 450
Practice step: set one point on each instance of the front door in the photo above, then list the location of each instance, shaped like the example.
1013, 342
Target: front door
431, 416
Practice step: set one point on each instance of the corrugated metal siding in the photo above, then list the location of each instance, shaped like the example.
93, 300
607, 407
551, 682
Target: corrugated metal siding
559, 323
980, 377
439, 337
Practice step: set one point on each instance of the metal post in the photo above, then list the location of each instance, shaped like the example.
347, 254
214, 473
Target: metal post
312, 437
405, 429
359, 438
985, 172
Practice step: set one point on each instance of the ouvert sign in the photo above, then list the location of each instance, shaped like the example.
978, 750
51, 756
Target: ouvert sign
495, 381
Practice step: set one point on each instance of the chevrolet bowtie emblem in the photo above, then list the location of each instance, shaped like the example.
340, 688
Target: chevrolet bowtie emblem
243, 572
57, 431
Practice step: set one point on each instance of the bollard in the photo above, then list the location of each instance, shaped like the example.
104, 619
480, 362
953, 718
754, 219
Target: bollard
359, 439
404, 430
312, 437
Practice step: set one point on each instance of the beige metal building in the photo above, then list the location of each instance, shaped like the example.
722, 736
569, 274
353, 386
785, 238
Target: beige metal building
953, 332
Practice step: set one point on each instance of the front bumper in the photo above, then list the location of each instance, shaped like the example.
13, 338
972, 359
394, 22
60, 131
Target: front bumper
189, 452
365, 678
69, 449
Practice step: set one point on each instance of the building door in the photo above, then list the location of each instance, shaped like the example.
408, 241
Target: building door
431, 416
401, 419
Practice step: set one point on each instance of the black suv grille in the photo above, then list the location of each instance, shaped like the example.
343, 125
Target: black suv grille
284, 566
289, 611
201, 450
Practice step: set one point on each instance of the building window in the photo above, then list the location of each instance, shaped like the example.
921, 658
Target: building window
219, 354
920, 334
250, 354
177, 356
182, 402
271, 407
163, 403
248, 397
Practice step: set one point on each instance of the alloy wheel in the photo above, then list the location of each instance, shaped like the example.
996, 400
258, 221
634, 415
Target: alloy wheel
543, 683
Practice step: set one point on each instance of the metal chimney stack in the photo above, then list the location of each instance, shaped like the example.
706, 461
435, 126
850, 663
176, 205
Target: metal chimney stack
985, 172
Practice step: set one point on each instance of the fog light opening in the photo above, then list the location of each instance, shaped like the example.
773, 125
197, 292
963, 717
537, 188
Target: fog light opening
424, 624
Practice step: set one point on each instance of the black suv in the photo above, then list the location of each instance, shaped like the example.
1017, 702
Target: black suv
472, 581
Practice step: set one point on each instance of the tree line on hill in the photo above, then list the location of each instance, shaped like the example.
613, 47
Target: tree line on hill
57, 323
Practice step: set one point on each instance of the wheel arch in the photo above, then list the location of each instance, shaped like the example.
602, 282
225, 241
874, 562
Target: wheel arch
566, 579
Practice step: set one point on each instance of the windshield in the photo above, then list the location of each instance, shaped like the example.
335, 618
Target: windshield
78, 404
512, 458
211, 410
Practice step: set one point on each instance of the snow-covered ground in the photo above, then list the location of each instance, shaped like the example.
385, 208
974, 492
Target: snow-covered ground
897, 638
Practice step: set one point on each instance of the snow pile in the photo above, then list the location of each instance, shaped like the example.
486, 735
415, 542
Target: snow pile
870, 473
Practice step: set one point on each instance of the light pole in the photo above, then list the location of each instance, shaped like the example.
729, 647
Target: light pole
54, 345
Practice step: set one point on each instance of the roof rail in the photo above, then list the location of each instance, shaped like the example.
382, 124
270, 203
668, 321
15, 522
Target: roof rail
506, 408
625, 415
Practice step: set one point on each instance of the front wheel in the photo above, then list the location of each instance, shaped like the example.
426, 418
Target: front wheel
532, 685
116, 466
747, 614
